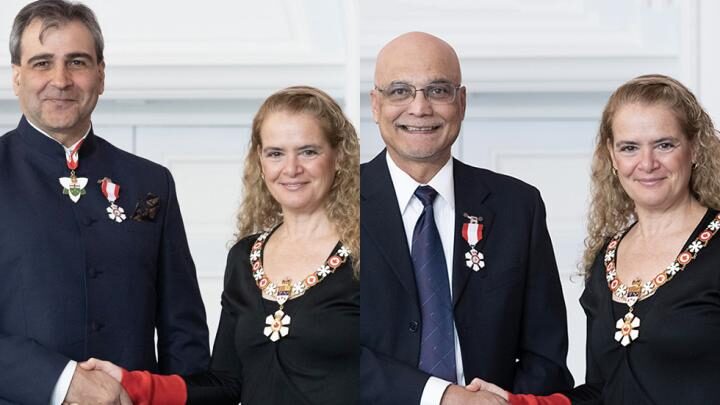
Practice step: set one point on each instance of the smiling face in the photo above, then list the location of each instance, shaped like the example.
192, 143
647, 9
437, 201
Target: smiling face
418, 133
58, 81
297, 161
652, 156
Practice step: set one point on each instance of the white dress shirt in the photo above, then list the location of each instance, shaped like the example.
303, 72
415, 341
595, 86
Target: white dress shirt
444, 213
63, 383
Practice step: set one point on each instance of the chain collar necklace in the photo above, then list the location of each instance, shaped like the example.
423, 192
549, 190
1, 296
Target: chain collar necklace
629, 325
278, 324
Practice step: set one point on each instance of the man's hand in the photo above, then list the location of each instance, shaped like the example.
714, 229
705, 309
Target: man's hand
124, 400
105, 366
95, 387
478, 384
457, 395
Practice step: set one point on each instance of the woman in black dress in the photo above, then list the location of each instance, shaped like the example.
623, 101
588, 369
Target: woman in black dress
288, 331
652, 258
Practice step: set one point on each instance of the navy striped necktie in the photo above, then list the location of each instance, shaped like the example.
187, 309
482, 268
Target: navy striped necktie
437, 348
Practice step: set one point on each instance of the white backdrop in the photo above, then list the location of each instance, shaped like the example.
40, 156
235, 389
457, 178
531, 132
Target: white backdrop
538, 74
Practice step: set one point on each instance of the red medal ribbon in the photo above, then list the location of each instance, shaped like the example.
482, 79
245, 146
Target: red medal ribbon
472, 233
110, 190
73, 158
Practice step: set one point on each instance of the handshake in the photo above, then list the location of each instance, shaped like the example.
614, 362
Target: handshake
97, 382
477, 392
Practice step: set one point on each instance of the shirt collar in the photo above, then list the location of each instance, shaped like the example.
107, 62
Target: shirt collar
68, 150
405, 185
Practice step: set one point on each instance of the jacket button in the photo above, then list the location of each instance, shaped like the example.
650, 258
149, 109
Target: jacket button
413, 326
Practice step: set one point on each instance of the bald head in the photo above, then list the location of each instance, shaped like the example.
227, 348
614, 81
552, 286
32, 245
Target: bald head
418, 55
418, 128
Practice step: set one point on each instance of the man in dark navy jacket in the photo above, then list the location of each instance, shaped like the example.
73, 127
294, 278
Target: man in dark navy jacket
459, 276
93, 254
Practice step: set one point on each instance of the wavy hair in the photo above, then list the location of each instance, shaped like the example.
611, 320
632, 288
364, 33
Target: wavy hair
259, 210
611, 209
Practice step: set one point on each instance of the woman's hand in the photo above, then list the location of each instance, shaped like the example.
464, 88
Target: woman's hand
105, 366
478, 384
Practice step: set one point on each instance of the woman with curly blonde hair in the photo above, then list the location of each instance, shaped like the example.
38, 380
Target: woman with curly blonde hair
288, 330
652, 294
260, 211
611, 208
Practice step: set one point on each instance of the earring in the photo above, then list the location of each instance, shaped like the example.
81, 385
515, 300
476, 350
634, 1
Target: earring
694, 165
262, 175
613, 171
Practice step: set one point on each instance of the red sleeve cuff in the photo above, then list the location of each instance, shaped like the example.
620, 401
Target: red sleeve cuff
526, 399
145, 388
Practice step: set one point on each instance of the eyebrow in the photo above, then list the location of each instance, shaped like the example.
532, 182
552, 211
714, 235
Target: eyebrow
441, 81
42, 56
656, 141
310, 146
74, 55
435, 81
303, 147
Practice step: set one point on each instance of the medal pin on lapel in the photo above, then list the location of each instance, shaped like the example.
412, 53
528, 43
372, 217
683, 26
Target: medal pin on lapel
472, 233
111, 191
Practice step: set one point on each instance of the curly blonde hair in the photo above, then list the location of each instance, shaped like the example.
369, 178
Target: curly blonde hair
260, 211
611, 209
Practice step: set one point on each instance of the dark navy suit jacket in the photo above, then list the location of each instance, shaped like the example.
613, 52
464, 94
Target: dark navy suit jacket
74, 284
510, 316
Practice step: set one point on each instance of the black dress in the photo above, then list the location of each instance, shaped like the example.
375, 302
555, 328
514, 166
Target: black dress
676, 356
315, 363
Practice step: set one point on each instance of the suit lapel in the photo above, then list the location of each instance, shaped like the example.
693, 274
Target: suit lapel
470, 193
382, 221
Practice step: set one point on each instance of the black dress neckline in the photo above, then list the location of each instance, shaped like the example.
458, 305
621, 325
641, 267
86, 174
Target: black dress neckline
333, 252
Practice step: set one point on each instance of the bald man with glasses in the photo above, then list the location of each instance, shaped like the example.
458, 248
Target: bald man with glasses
459, 278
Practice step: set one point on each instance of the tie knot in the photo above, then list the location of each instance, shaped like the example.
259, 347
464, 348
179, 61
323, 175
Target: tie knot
426, 195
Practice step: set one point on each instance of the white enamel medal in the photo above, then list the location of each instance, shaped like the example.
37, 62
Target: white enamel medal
73, 186
111, 191
472, 233
629, 325
278, 324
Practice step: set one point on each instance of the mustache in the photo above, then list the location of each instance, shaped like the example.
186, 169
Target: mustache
58, 95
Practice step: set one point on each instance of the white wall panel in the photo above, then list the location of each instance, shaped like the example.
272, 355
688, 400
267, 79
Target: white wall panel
120, 136
218, 49
206, 163
525, 45
708, 57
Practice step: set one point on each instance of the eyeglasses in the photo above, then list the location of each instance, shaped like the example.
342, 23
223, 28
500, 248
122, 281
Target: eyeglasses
403, 93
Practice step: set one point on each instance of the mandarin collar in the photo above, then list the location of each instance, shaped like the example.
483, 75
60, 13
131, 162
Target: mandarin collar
43, 143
